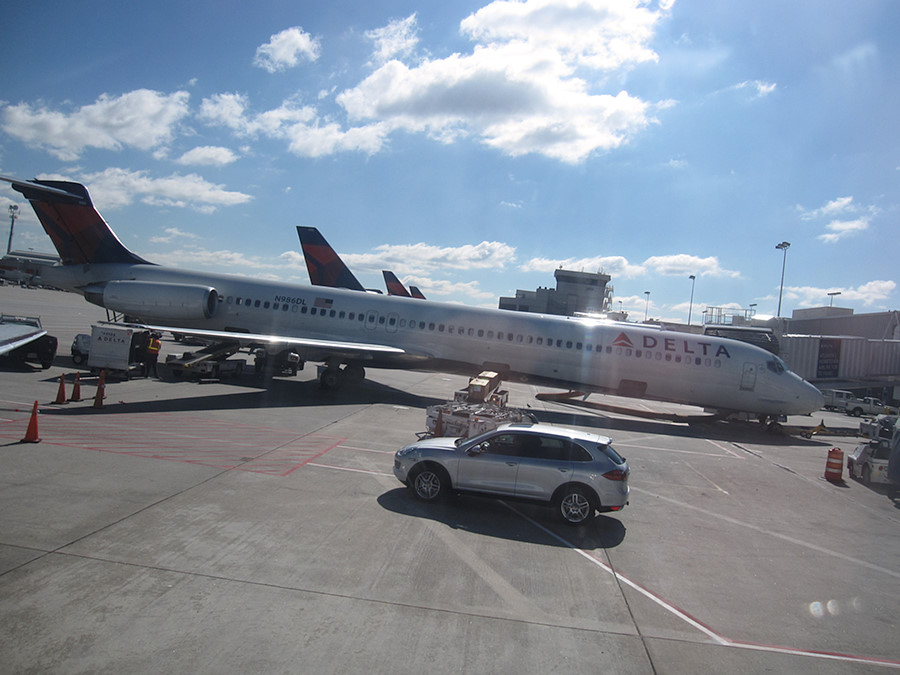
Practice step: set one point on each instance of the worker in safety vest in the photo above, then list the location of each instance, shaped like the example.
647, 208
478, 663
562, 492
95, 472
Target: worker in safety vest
152, 355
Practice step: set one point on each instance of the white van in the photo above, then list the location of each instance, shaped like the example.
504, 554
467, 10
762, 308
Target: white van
837, 399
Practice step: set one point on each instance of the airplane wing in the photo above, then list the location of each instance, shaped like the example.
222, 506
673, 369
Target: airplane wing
15, 335
356, 350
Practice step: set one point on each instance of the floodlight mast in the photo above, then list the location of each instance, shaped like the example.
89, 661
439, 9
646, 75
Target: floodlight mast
783, 246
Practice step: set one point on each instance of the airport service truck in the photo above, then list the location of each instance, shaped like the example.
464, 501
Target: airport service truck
836, 399
868, 406
116, 349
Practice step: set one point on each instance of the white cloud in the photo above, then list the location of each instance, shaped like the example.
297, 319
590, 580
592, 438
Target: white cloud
208, 155
142, 119
598, 34
618, 266
839, 227
870, 293
759, 87
171, 234
421, 258
832, 208
284, 50
115, 188
615, 266
306, 134
683, 264
396, 40
521, 89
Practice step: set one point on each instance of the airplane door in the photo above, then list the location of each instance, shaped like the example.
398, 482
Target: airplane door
748, 377
371, 319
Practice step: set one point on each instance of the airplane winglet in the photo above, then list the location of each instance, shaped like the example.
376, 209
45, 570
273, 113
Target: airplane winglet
29, 187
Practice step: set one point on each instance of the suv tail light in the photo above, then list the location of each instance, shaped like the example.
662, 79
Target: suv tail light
616, 474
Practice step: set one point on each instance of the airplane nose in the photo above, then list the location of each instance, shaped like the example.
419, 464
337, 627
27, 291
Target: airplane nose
812, 398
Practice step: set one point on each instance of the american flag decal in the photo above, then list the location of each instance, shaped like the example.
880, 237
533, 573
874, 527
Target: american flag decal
324, 303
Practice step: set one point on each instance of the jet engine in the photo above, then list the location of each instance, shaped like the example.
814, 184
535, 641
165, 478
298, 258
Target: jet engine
156, 300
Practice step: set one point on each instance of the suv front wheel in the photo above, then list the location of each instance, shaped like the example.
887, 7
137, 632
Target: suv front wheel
429, 484
574, 505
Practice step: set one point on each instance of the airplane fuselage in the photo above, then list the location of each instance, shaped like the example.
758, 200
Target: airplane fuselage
625, 359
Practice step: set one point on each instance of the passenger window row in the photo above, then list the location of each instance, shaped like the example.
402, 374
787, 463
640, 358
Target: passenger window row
373, 317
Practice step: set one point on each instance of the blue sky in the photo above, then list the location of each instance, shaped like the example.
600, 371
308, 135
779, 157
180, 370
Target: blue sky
475, 147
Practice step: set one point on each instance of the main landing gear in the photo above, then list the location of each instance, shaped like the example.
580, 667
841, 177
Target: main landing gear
332, 376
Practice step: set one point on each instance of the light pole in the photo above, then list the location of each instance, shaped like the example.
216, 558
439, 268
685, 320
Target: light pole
693, 279
647, 306
752, 309
831, 295
783, 246
13, 214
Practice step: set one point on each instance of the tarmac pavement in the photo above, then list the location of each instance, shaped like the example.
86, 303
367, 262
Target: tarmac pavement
243, 526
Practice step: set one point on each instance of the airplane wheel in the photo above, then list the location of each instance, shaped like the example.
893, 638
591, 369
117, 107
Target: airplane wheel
330, 378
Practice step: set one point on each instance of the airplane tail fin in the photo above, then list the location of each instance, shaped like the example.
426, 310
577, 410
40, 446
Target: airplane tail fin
324, 265
394, 285
416, 293
69, 218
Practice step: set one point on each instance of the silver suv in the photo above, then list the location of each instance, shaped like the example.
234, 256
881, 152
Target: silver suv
576, 472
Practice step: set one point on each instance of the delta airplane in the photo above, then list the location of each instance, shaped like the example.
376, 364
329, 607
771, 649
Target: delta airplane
348, 331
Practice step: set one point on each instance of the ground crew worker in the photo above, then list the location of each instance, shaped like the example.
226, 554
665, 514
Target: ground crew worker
151, 355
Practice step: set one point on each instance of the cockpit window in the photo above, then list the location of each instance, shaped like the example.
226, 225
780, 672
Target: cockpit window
775, 365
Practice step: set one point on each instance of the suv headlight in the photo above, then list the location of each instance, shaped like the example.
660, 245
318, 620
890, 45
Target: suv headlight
403, 452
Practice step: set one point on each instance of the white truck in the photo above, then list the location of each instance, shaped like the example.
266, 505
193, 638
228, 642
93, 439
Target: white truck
116, 349
868, 406
836, 399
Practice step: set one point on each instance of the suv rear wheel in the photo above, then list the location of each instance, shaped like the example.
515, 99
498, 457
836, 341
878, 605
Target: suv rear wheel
574, 505
430, 484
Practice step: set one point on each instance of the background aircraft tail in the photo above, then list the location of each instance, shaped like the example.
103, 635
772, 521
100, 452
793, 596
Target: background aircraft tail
69, 218
394, 285
324, 265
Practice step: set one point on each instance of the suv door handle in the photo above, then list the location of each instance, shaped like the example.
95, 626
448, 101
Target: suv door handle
512, 463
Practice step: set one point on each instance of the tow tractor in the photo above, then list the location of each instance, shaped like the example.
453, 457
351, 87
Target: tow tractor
870, 460
480, 407
209, 363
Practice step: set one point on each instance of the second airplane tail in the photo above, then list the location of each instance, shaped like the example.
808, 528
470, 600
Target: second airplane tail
69, 218
324, 265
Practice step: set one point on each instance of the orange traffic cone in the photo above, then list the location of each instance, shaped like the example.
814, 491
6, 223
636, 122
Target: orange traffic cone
61, 392
101, 390
31, 435
76, 389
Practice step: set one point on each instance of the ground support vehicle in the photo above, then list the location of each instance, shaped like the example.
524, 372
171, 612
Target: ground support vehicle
836, 399
40, 350
870, 462
119, 350
576, 472
880, 428
209, 363
81, 348
480, 407
869, 406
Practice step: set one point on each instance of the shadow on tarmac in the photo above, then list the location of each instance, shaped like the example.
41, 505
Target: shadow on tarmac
736, 432
284, 393
275, 394
491, 517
